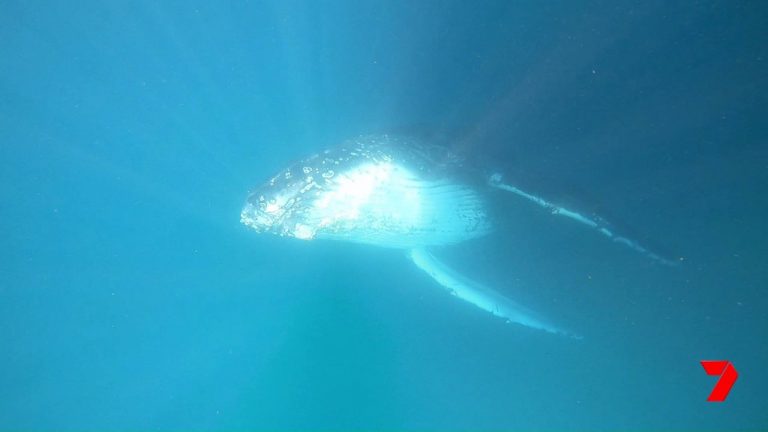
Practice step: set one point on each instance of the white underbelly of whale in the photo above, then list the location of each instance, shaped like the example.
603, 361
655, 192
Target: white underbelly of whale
388, 205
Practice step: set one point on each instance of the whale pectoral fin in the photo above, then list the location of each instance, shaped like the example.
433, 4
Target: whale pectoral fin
596, 223
480, 295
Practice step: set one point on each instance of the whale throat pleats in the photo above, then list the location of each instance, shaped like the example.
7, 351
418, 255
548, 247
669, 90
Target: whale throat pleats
388, 205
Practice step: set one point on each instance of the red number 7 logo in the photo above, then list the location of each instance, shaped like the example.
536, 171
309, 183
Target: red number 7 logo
728, 376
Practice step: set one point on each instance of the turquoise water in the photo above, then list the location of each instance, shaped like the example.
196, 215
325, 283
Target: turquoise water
132, 298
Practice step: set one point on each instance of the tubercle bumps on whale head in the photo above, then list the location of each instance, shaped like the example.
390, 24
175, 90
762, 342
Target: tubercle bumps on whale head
279, 206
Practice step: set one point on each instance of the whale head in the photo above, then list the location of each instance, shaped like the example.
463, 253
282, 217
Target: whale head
276, 206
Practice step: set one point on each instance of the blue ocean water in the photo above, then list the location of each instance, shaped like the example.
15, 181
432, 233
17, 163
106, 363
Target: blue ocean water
131, 297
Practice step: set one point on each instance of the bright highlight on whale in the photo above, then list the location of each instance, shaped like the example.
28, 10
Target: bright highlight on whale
402, 194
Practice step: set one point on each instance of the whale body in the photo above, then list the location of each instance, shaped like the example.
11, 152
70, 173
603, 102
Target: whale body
404, 194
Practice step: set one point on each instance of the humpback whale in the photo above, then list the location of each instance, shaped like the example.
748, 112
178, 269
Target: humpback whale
404, 194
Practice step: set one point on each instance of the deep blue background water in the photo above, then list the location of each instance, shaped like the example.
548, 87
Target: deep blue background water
132, 298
